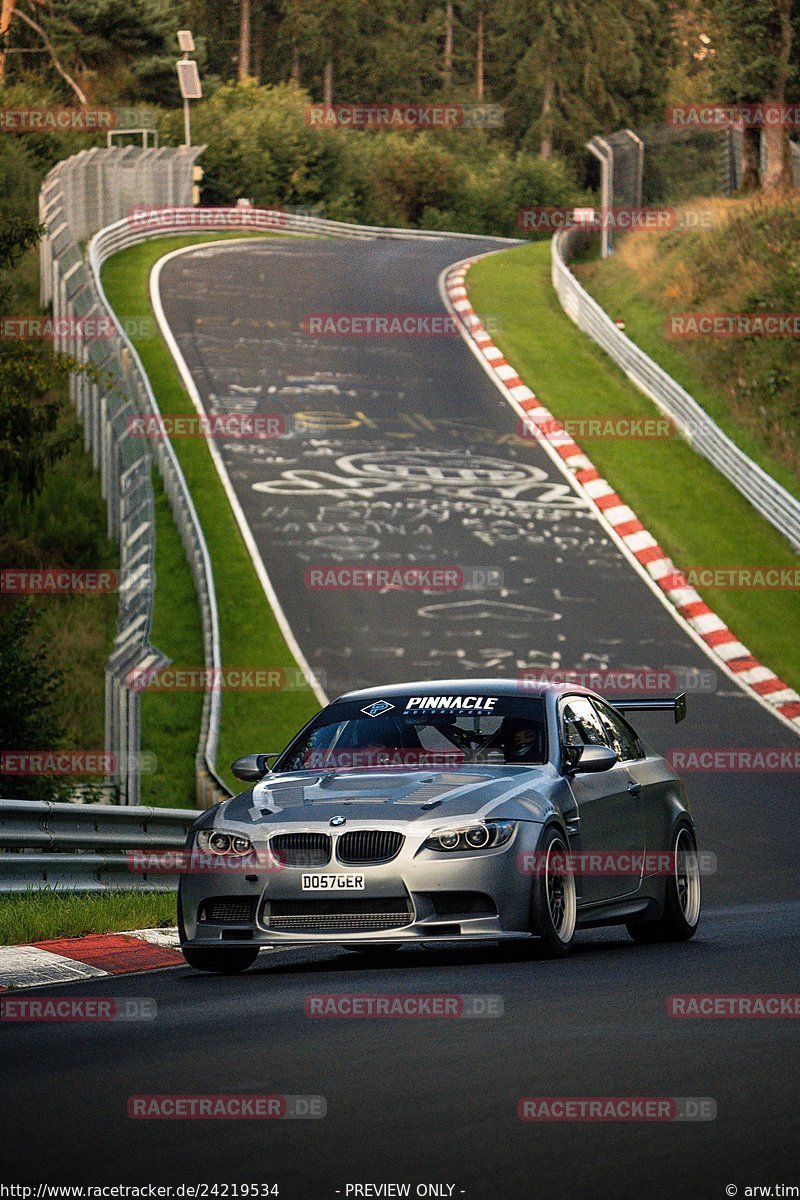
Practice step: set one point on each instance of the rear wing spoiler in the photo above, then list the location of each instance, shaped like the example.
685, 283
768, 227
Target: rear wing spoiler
675, 704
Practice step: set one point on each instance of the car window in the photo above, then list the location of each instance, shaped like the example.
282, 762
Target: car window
407, 731
623, 739
581, 725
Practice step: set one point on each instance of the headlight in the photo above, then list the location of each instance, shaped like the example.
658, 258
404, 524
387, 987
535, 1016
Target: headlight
485, 835
211, 841
477, 837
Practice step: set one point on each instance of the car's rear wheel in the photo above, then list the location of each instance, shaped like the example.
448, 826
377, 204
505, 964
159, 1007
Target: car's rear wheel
681, 914
555, 906
221, 962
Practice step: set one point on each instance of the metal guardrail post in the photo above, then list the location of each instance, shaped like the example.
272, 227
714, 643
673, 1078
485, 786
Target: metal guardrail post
601, 150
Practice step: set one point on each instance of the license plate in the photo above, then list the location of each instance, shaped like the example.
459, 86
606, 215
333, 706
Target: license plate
332, 883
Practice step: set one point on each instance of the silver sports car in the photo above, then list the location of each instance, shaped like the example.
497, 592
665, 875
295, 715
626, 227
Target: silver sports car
456, 809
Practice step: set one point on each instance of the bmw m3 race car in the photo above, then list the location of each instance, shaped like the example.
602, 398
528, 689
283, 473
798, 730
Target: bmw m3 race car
456, 809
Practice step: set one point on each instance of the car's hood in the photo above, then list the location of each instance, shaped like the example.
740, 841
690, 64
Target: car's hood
305, 797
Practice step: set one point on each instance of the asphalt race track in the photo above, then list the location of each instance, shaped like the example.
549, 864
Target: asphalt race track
412, 458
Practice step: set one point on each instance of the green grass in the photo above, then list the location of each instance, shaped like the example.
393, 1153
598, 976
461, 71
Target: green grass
37, 916
710, 371
249, 634
171, 720
695, 514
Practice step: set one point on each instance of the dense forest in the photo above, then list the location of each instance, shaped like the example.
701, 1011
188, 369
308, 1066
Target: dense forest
560, 70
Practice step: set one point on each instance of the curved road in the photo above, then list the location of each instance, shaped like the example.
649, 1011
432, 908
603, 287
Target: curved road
411, 457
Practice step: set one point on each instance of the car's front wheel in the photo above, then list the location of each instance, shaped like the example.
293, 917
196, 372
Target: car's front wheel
681, 914
555, 903
221, 962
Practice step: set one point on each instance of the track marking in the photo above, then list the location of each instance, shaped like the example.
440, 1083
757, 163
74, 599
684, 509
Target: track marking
31, 966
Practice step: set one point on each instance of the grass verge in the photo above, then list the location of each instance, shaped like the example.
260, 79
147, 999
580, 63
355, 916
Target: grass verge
744, 262
36, 916
696, 515
249, 634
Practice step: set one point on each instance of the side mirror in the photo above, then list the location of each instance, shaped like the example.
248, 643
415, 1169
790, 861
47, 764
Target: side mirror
251, 767
588, 759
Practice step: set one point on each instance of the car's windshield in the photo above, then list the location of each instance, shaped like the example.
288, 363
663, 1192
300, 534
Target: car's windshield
420, 732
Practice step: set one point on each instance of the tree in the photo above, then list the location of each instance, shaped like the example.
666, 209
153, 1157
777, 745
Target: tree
778, 171
244, 39
580, 67
126, 46
757, 61
30, 438
29, 699
447, 72
11, 10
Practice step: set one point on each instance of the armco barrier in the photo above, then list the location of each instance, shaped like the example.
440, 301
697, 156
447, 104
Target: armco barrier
84, 847
77, 197
779, 507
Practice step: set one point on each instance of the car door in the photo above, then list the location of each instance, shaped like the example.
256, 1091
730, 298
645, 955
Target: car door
647, 771
611, 815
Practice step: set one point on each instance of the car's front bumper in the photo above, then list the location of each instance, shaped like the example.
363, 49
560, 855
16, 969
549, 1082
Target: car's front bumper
475, 895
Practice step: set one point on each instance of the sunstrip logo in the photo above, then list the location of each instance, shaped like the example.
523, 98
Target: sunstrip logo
376, 709
475, 704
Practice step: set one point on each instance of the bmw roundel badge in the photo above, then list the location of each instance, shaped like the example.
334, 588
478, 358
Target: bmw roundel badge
338, 820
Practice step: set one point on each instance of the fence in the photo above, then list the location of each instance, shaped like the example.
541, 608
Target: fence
85, 848
773, 502
79, 196
663, 165
733, 160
